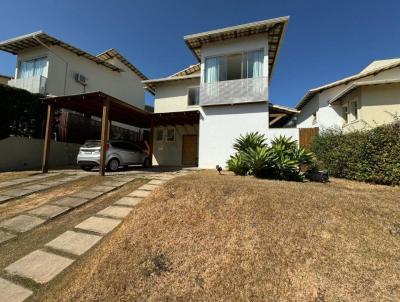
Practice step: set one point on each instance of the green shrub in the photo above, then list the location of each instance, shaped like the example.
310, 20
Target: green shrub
22, 112
237, 165
368, 155
280, 160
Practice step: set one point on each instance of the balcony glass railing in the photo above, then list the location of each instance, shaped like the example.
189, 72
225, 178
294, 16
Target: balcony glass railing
234, 91
34, 84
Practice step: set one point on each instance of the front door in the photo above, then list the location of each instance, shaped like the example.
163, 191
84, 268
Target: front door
189, 150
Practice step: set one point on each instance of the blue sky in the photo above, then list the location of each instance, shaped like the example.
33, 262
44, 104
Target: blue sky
325, 41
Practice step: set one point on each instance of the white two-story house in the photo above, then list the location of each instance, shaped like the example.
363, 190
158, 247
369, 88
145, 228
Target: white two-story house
201, 110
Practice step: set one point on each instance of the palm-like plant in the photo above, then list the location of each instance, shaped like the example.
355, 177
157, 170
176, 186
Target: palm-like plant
249, 141
237, 164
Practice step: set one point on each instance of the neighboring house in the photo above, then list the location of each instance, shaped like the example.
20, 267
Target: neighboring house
361, 101
201, 110
4, 79
50, 66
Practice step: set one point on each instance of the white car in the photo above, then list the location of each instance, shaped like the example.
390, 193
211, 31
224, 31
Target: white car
119, 153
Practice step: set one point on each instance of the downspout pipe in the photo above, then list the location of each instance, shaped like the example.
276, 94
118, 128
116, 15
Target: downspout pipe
66, 63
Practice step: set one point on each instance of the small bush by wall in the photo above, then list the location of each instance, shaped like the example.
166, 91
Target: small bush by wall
22, 113
370, 155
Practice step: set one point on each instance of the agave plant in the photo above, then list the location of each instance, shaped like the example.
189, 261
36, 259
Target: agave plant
237, 164
249, 141
259, 160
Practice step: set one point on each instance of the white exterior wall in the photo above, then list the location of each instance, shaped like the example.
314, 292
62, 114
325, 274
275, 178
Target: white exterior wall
125, 85
221, 125
173, 96
330, 116
292, 133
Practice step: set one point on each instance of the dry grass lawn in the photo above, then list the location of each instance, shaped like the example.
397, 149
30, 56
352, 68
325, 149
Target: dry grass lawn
206, 237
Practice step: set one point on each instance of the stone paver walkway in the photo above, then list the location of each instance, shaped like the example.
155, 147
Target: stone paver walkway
10, 292
21, 223
10, 194
42, 266
39, 266
74, 243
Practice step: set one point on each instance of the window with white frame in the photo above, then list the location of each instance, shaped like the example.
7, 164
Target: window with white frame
234, 66
353, 109
170, 134
193, 96
159, 134
31, 68
314, 118
345, 114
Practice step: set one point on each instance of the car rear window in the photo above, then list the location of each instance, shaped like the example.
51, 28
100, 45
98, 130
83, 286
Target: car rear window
91, 144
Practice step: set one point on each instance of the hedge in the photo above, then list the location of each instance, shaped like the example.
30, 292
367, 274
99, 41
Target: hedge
22, 113
368, 155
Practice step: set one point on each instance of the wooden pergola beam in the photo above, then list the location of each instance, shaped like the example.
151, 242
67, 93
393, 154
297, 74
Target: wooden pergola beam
104, 135
47, 138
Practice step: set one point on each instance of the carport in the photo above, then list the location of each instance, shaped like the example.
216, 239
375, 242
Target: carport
100, 105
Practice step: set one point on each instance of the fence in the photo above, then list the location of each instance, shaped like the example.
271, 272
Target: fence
306, 136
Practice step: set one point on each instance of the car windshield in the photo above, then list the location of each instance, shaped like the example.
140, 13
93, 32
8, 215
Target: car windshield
91, 144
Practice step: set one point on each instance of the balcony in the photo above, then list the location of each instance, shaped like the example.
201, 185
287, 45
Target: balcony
240, 91
34, 84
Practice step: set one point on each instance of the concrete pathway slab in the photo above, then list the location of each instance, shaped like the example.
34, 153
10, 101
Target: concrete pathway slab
87, 194
99, 225
101, 188
115, 183
39, 266
5, 236
53, 183
18, 192
115, 212
5, 198
74, 243
156, 182
37, 187
148, 187
139, 193
21, 223
128, 201
10, 292
48, 211
71, 202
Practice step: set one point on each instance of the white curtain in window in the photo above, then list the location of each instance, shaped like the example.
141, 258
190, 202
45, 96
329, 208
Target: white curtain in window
255, 63
26, 69
211, 75
40, 66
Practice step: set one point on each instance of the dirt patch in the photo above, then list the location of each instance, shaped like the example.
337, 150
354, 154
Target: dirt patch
7, 176
205, 237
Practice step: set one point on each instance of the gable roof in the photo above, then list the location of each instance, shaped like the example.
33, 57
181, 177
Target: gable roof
39, 38
372, 69
359, 84
188, 70
274, 27
185, 74
113, 53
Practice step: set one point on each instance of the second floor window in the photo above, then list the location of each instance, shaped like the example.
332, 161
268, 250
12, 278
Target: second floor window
193, 96
31, 68
234, 66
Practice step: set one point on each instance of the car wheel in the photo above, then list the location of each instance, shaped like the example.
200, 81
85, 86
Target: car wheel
146, 162
86, 168
113, 164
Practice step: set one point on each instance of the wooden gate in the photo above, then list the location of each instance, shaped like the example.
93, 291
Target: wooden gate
306, 136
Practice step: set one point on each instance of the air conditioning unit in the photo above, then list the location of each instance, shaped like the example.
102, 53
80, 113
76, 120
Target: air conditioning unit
80, 78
